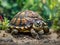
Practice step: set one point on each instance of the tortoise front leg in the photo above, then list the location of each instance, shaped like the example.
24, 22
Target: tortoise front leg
34, 34
46, 29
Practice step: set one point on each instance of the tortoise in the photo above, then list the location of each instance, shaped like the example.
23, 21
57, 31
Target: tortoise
28, 21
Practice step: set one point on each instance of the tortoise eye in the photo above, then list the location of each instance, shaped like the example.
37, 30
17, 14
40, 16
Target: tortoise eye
38, 22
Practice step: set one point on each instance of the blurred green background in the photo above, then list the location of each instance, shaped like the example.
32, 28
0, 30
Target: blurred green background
48, 9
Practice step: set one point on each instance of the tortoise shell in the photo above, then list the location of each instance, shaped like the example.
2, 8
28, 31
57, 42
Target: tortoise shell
28, 21
24, 20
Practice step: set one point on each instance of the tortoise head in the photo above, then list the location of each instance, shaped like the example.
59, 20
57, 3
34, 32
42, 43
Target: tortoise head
38, 24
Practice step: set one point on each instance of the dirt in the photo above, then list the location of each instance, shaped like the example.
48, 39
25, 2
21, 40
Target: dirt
26, 39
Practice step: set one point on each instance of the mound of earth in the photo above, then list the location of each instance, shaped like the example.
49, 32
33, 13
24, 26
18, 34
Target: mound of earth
22, 39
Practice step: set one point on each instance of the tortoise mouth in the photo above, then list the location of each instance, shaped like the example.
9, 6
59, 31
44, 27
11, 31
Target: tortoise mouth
37, 28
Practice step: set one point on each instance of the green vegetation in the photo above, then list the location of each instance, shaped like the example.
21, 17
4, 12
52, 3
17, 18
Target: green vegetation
4, 24
48, 9
56, 21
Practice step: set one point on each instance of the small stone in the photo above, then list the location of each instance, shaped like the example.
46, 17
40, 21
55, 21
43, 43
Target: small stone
46, 41
4, 35
24, 37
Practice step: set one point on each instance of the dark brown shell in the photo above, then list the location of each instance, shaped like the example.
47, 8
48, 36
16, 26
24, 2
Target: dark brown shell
25, 19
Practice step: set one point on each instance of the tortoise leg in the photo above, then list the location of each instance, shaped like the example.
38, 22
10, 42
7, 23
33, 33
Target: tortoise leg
8, 30
40, 32
46, 29
34, 34
14, 31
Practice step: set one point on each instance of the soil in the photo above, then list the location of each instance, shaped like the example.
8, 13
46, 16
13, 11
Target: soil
26, 39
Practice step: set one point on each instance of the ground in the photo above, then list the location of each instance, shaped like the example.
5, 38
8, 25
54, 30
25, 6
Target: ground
21, 39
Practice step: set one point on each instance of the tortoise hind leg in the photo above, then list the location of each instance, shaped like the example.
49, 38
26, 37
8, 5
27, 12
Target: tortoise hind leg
34, 34
14, 31
8, 30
